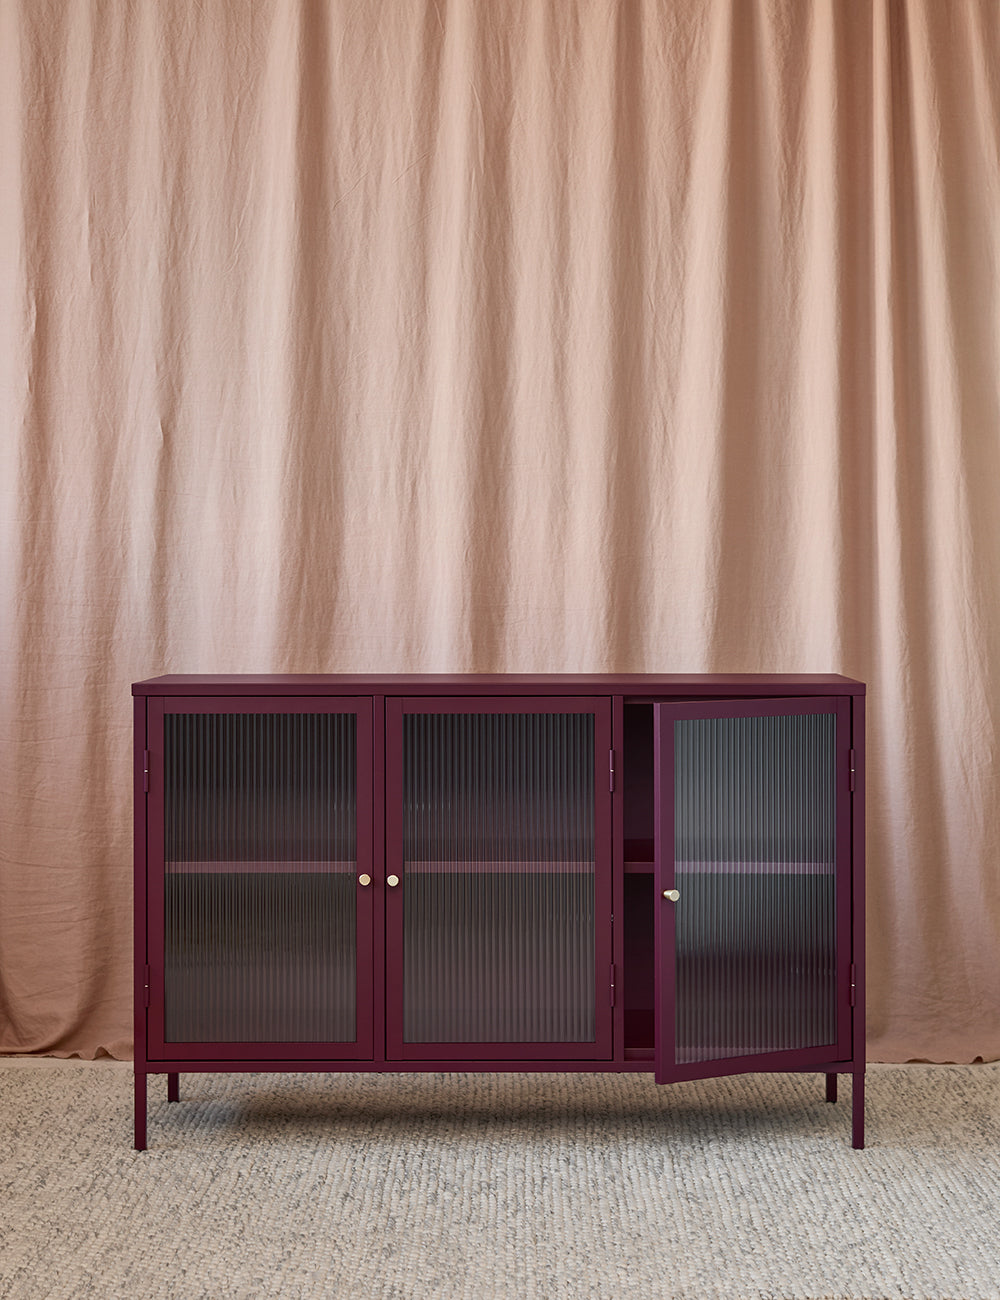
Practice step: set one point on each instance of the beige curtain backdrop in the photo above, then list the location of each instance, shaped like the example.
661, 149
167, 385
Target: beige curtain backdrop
508, 335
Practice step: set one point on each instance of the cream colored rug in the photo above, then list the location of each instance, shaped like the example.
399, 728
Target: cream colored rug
397, 1187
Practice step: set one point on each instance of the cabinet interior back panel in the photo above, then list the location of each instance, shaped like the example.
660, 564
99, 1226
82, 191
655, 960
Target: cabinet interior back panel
260, 877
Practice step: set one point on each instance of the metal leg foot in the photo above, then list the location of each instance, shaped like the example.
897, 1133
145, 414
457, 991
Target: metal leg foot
831, 1087
140, 1110
173, 1087
858, 1111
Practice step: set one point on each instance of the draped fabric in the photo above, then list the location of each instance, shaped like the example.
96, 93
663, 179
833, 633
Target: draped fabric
543, 335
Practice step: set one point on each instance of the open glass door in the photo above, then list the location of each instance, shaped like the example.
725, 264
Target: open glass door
752, 866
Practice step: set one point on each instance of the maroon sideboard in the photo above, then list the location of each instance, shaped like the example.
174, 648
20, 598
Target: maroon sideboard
573, 872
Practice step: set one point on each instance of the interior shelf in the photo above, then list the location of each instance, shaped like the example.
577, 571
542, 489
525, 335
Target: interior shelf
260, 866
502, 866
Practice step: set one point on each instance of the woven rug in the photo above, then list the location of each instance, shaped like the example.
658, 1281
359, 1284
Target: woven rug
478, 1186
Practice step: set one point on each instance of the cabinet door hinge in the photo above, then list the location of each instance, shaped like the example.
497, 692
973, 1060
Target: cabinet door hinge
852, 769
612, 984
611, 770
145, 978
145, 770
854, 989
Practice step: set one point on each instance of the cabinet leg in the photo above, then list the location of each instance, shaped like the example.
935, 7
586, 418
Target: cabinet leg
173, 1087
831, 1087
858, 1111
140, 1110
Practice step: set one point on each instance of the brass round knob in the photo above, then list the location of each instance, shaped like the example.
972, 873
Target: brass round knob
392, 881
672, 894
364, 879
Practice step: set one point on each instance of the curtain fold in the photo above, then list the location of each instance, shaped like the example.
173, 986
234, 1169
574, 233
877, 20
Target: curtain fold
541, 336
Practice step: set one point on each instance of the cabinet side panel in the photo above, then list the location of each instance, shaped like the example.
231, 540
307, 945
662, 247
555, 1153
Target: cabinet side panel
858, 878
139, 878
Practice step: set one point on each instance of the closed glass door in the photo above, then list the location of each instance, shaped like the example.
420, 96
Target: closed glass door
260, 821
752, 885
498, 879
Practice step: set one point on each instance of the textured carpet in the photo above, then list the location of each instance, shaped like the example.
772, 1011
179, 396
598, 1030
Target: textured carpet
406, 1186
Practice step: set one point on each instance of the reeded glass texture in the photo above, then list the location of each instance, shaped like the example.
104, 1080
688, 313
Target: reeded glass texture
260, 891
755, 844
499, 874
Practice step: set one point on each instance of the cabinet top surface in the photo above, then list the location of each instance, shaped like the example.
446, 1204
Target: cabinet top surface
631, 684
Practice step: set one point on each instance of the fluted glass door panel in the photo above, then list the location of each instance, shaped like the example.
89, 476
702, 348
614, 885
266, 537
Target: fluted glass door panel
496, 912
748, 822
260, 877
